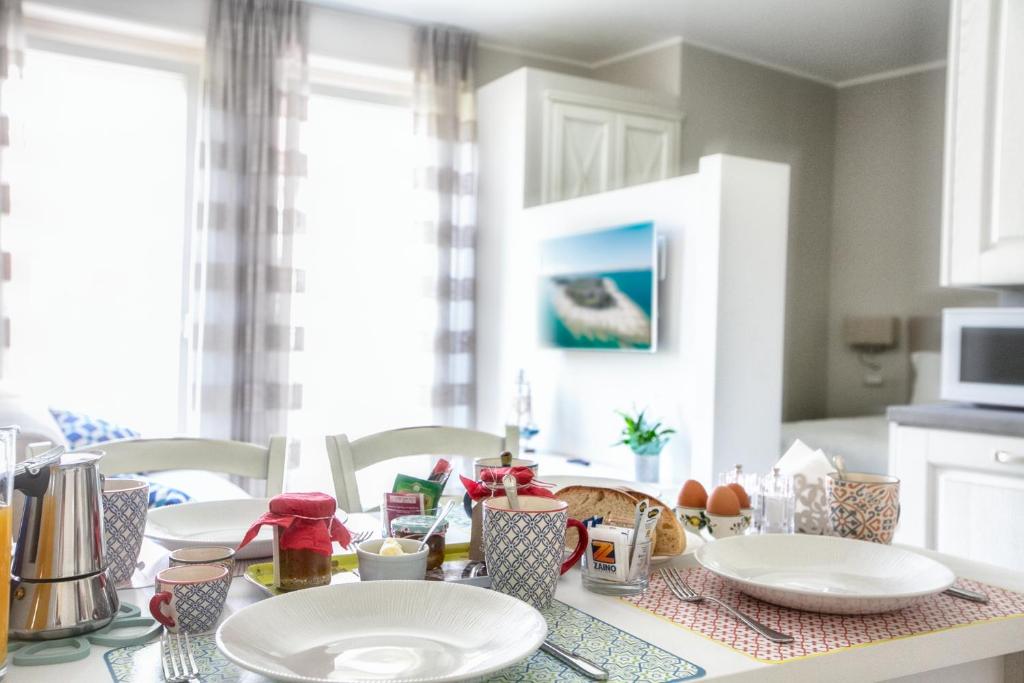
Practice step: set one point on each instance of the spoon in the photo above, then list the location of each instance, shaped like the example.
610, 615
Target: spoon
509, 482
840, 464
437, 522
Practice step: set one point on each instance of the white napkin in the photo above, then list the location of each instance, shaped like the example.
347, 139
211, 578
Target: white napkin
809, 468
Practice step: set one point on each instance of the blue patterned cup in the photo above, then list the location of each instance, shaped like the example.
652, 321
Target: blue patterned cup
190, 598
125, 505
523, 547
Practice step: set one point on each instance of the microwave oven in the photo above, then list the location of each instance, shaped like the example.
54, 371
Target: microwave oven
983, 356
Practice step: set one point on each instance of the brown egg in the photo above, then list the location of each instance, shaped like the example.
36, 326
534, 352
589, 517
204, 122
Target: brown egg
723, 501
741, 494
693, 495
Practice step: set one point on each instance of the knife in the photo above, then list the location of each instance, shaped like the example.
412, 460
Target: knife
574, 661
965, 594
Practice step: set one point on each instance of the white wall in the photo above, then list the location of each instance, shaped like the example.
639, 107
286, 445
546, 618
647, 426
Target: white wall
886, 228
717, 376
735, 107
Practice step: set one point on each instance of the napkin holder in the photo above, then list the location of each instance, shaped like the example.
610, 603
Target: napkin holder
809, 469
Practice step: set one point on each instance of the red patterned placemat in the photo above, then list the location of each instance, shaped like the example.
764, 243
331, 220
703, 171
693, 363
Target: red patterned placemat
815, 634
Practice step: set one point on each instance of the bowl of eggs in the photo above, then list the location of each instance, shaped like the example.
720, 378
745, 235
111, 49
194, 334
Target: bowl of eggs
726, 512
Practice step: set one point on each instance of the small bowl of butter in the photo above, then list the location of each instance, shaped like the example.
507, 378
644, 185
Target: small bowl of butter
391, 558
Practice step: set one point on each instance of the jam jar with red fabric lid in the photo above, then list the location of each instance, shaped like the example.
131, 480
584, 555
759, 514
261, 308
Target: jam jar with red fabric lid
304, 528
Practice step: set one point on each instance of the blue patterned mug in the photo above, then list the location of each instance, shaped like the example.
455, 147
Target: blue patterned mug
125, 505
523, 547
190, 598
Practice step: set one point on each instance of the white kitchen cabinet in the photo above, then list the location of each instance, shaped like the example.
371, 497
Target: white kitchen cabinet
983, 216
960, 492
592, 144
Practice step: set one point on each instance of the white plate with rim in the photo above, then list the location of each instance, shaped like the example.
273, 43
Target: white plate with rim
397, 631
209, 523
825, 573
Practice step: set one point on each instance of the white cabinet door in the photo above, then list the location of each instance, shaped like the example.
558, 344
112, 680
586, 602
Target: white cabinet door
646, 149
983, 215
593, 144
960, 492
579, 151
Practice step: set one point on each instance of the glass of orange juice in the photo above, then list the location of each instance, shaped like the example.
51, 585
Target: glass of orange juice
8, 454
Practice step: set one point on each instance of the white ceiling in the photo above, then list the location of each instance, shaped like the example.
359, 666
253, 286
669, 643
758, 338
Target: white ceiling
830, 40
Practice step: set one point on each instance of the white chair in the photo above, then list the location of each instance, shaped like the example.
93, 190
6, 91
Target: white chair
348, 457
211, 455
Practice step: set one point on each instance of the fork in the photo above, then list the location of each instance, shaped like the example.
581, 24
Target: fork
361, 536
178, 663
682, 590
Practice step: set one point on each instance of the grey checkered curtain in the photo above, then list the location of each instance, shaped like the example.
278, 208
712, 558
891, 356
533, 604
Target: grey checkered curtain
246, 278
445, 127
12, 54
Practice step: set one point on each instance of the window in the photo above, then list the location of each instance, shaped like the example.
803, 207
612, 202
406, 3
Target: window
365, 370
99, 171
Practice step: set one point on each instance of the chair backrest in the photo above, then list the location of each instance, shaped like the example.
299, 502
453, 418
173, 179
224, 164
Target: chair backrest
180, 453
348, 457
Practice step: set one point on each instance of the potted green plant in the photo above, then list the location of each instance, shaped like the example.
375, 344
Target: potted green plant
646, 441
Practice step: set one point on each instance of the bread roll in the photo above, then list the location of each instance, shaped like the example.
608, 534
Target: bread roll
596, 501
670, 538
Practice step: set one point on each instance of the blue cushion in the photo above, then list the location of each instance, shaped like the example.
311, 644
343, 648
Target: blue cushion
83, 431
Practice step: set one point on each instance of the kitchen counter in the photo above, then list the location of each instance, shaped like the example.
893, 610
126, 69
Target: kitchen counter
960, 417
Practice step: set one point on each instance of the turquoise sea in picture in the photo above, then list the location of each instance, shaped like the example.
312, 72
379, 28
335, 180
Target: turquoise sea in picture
598, 289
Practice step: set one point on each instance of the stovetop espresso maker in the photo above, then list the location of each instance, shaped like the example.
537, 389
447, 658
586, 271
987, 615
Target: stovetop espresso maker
59, 585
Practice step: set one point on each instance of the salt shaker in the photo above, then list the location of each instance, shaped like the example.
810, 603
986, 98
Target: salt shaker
776, 504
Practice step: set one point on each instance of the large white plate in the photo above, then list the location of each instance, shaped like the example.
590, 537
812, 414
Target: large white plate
397, 631
825, 573
221, 522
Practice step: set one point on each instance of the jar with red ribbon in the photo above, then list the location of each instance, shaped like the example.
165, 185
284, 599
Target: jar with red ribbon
304, 528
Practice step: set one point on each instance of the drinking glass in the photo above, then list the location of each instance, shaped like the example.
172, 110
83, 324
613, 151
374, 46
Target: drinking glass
8, 453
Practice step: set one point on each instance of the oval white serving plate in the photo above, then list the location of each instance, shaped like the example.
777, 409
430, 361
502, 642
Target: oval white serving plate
825, 573
396, 631
213, 523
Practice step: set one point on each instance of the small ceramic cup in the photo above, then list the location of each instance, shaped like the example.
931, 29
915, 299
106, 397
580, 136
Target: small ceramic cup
723, 526
125, 505
222, 555
863, 506
692, 519
190, 598
376, 567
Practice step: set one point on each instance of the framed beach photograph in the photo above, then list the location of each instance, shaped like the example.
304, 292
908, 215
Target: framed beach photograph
599, 290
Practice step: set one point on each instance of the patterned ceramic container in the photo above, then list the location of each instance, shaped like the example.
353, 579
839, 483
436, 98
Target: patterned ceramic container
523, 547
190, 598
863, 506
693, 519
213, 554
723, 526
125, 504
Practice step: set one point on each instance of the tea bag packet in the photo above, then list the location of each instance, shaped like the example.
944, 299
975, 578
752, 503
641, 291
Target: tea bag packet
809, 468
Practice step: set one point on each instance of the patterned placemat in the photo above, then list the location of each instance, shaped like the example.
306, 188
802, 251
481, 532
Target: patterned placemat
627, 658
816, 634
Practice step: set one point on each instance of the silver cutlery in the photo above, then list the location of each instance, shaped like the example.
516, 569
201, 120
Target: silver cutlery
574, 661
965, 594
176, 658
437, 522
682, 591
360, 537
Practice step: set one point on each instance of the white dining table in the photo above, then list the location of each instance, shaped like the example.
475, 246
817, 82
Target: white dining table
988, 652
